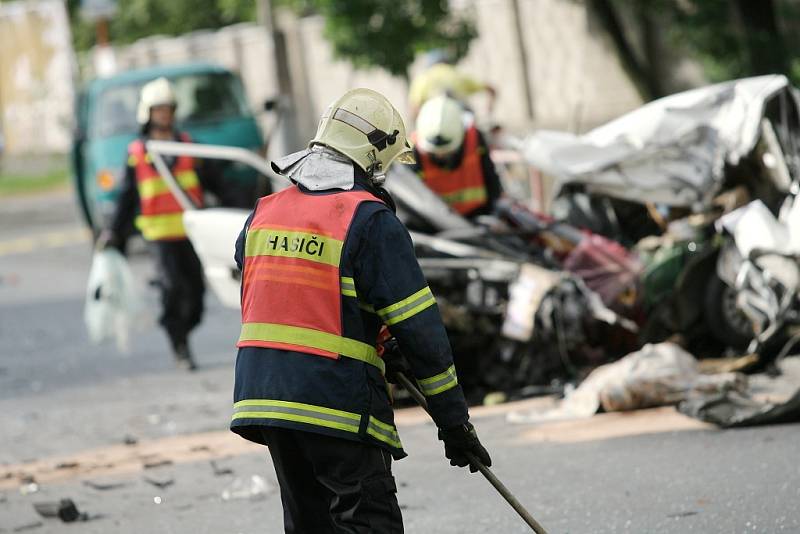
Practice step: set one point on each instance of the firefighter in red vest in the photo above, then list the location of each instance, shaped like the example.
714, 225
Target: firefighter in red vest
453, 158
325, 264
160, 218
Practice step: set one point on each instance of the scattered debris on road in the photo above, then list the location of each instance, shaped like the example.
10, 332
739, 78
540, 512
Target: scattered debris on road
67, 465
161, 484
657, 375
28, 485
104, 486
254, 488
220, 471
28, 526
777, 400
152, 464
65, 510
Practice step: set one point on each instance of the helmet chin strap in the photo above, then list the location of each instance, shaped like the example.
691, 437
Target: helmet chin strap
377, 176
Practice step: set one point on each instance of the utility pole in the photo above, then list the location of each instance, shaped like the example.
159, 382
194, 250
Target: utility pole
523, 59
288, 129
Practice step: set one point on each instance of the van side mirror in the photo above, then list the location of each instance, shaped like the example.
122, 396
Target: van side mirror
270, 104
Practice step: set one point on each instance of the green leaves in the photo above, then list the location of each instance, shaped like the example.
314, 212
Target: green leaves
136, 19
389, 33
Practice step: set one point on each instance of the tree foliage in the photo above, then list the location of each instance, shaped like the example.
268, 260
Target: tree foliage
142, 18
389, 33
733, 39
729, 38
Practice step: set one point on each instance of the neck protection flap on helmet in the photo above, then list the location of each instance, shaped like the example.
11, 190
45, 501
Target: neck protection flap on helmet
317, 168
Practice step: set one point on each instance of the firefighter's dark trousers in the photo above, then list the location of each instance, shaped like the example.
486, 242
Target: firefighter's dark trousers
333, 485
180, 279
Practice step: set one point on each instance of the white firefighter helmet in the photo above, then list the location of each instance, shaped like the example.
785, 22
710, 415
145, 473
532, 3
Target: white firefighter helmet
440, 126
159, 92
364, 126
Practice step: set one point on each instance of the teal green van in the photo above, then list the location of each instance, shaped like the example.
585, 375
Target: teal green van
212, 108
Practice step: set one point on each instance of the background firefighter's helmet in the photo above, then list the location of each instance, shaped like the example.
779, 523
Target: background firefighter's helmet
364, 126
159, 92
440, 126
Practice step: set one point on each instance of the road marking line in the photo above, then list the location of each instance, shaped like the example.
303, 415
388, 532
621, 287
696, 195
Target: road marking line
57, 239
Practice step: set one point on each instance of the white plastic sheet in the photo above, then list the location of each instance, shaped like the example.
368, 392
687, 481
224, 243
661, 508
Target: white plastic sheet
670, 151
113, 305
656, 375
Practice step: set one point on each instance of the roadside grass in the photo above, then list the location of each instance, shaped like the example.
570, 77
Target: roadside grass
23, 184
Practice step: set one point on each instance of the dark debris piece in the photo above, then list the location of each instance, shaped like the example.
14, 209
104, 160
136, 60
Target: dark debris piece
157, 463
28, 526
682, 514
220, 471
104, 486
161, 484
67, 465
64, 509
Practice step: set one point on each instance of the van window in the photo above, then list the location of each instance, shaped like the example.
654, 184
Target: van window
201, 98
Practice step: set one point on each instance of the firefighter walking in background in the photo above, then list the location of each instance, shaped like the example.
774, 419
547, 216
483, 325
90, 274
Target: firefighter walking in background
325, 263
160, 218
453, 158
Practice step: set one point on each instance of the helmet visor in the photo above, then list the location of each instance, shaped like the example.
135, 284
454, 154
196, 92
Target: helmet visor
406, 157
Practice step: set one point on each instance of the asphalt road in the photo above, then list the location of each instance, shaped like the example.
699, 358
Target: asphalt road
66, 407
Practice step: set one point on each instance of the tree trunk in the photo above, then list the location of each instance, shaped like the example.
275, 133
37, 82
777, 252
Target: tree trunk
765, 46
643, 77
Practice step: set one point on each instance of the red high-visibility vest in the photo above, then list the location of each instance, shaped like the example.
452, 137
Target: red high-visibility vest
291, 286
161, 217
463, 188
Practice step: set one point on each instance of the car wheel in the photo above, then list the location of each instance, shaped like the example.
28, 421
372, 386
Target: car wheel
725, 320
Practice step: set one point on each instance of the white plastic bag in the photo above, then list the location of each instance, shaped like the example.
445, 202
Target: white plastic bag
113, 305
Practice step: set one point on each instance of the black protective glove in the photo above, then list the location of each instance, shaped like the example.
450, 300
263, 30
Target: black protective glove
395, 361
460, 440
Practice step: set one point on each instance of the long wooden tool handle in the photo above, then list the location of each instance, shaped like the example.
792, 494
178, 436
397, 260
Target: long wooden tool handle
485, 471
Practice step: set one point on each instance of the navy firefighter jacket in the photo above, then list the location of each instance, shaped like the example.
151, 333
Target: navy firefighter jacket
344, 397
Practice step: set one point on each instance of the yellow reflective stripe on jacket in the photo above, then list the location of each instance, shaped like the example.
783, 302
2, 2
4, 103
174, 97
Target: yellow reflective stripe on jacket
348, 287
408, 307
167, 226
314, 339
439, 383
470, 194
383, 432
155, 186
293, 244
349, 290
297, 412
311, 414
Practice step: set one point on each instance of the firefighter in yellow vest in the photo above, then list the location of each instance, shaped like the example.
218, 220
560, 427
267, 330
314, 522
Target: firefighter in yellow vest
442, 77
146, 202
325, 263
453, 158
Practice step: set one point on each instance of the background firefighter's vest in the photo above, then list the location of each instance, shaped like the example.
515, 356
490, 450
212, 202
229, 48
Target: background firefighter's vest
292, 288
463, 187
161, 217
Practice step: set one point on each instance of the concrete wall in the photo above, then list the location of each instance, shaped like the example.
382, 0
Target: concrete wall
575, 80
36, 76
